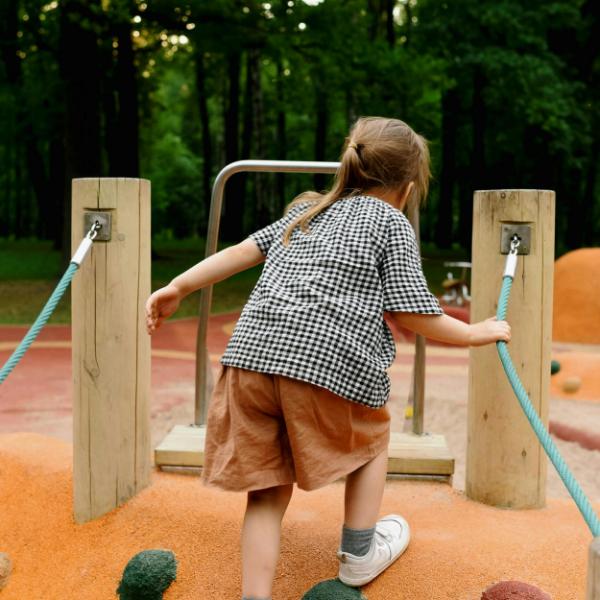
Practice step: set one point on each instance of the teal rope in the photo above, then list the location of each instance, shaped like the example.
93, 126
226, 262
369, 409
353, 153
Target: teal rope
583, 504
33, 332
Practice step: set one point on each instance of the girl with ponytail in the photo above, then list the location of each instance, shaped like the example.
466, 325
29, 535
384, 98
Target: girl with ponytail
301, 396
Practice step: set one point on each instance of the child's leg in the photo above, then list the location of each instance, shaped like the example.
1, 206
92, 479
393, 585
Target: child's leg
364, 491
369, 545
260, 539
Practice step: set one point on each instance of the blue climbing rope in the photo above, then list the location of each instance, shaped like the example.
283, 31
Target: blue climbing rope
48, 309
583, 504
43, 317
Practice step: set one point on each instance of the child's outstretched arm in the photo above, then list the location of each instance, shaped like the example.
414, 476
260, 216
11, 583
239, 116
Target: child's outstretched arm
444, 328
165, 301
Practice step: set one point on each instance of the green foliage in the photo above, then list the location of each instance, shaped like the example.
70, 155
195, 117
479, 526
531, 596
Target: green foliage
525, 73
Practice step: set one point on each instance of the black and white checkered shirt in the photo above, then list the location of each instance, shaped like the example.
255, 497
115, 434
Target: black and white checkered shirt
316, 313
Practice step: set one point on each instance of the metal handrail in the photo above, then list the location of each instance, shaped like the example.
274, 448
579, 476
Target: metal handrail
203, 372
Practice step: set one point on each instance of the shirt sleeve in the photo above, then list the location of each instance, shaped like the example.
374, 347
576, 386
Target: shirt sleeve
264, 237
403, 282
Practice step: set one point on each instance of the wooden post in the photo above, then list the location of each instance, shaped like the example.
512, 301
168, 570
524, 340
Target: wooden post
506, 465
593, 584
111, 349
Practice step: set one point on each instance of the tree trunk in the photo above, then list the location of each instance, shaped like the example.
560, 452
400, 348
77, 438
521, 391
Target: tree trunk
390, 26
58, 190
263, 195
25, 133
110, 110
128, 118
6, 191
79, 67
205, 129
233, 211
322, 113
478, 161
590, 233
281, 139
443, 233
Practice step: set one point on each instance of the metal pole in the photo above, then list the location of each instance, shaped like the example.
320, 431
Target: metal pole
417, 391
214, 220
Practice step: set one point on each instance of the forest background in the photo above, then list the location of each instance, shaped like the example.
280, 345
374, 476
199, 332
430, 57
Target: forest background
506, 91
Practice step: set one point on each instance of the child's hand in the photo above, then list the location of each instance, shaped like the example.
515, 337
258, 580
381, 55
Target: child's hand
488, 331
161, 304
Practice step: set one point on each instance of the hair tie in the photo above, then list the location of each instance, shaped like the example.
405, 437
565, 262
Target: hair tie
353, 145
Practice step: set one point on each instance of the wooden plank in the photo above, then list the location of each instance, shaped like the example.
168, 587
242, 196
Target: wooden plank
408, 453
425, 454
593, 581
183, 447
111, 351
84, 364
506, 465
143, 450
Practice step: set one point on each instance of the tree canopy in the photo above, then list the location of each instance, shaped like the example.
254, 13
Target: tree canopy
506, 91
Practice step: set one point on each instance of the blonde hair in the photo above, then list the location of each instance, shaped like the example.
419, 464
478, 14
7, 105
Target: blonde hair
379, 152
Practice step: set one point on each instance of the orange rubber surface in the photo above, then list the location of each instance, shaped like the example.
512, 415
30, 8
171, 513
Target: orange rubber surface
458, 547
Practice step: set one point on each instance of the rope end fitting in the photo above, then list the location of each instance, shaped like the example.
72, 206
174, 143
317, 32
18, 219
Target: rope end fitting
86, 244
511, 259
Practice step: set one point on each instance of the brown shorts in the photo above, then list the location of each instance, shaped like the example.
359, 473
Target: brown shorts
269, 430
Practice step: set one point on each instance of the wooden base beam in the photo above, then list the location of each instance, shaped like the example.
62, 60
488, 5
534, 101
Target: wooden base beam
409, 454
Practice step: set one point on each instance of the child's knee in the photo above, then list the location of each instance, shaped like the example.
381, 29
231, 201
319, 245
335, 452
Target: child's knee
275, 496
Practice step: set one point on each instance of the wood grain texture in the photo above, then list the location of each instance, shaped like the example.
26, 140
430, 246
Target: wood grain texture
409, 454
110, 349
593, 581
506, 465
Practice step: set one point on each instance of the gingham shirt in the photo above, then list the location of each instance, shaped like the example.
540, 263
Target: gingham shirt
316, 313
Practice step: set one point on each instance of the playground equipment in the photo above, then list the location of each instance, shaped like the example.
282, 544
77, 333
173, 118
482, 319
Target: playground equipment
456, 289
147, 575
415, 454
505, 465
112, 457
111, 353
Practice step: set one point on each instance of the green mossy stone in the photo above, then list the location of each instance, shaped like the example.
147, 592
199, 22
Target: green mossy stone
554, 367
333, 589
147, 575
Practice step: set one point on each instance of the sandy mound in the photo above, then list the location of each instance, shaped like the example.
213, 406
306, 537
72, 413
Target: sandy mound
577, 297
458, 548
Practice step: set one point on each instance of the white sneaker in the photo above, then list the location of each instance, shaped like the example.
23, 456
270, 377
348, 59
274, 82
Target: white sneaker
391, 538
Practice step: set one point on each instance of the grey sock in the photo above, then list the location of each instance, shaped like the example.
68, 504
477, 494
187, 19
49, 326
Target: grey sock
357, 541
253, 598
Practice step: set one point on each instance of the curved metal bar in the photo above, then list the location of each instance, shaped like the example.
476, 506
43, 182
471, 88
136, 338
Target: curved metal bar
203, 372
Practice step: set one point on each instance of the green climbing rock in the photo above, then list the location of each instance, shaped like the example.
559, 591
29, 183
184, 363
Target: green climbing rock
333, 589
147, 575
554, 367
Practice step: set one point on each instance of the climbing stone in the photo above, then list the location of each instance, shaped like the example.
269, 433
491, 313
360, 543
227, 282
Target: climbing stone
5, 569
554, 367
147, 575
333, 589
571, 384
514, 590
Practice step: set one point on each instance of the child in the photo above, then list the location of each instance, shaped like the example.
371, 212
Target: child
301, 395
